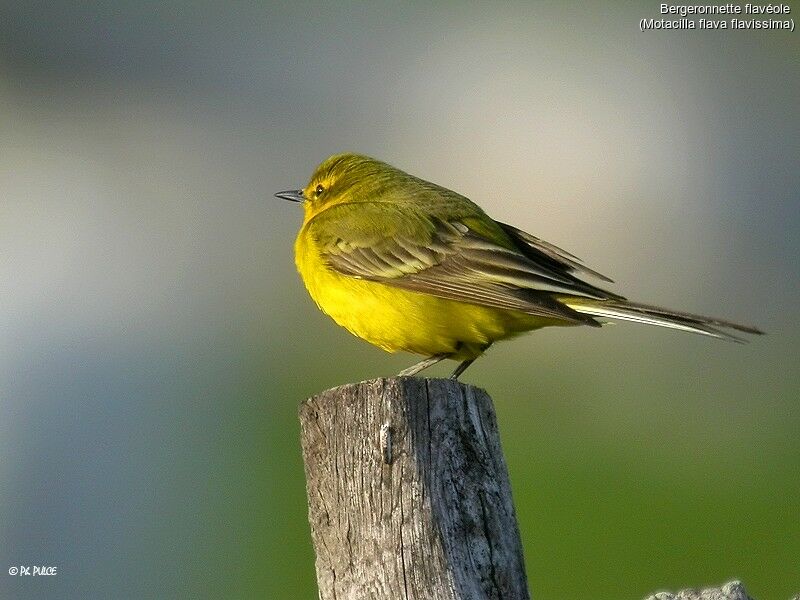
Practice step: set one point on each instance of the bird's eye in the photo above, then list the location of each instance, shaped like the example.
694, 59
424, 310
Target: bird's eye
319, 190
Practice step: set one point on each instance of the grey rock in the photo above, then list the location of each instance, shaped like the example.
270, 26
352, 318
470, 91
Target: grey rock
733, 590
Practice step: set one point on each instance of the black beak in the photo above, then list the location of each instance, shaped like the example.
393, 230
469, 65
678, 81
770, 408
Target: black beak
291, 195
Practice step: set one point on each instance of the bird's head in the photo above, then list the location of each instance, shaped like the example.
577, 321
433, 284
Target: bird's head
344, 178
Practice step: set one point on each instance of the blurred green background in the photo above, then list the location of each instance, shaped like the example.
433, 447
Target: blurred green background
155, 340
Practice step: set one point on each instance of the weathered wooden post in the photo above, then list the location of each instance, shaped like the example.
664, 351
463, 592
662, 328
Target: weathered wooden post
408, 493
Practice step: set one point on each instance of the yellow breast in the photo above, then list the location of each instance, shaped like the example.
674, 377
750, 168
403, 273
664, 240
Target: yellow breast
400, 320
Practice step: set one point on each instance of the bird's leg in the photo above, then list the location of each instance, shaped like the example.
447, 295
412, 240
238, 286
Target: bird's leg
423, 364
463, 366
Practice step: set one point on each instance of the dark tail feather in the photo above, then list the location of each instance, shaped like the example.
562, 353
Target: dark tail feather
654, 315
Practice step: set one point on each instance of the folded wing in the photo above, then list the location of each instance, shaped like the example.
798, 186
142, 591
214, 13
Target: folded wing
398, 246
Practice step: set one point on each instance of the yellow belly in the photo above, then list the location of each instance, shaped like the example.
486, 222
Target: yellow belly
400, 320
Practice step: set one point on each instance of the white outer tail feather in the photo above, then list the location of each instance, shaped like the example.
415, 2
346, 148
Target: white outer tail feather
651, 315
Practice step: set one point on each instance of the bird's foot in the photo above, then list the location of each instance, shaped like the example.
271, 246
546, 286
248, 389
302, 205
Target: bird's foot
423, 364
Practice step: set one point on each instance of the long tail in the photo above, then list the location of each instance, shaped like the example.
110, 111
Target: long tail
654, 315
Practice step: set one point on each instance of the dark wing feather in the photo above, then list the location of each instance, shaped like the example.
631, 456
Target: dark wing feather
539, 250
402, 248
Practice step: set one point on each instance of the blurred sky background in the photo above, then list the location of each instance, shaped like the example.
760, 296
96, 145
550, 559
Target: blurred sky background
155, 340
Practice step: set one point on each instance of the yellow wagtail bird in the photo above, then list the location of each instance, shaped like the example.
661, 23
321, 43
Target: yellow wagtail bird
408, 265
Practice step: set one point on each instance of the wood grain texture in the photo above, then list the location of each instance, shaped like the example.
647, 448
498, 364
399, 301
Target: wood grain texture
408, 492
